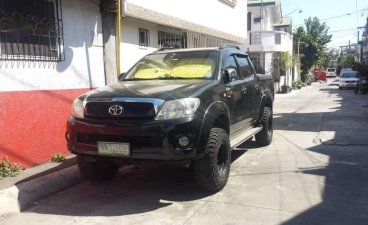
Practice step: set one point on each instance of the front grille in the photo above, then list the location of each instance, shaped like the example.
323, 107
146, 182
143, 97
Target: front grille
131, 110
135, 142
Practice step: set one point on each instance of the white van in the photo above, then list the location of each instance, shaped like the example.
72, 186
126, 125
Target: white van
331, 72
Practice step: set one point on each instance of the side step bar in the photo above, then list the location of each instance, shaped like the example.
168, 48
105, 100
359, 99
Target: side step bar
240, 137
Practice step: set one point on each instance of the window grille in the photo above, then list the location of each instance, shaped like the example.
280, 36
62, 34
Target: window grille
255, 38
278, 39
144, 37
176, 38
170, 39
31, 30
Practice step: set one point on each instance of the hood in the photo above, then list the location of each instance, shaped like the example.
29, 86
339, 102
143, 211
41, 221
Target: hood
161, 89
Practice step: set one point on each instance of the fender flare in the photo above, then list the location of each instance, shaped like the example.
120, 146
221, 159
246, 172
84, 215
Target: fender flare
214, 110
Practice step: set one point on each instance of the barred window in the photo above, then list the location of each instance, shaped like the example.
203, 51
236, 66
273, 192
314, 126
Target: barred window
174, 40
31, 30
144, 37
278, 39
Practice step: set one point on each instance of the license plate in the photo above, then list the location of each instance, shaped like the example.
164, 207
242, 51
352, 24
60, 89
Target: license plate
113, 149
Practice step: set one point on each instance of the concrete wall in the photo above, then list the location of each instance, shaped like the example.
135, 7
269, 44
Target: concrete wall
36, 97
83, 65
217, 14
131, 52
268, 42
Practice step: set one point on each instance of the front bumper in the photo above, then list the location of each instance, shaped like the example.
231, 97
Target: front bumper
153, 140
350, 84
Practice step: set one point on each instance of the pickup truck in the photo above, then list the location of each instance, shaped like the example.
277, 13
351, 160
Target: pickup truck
183, 107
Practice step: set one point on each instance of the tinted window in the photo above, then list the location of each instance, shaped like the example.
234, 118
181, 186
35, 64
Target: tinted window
331, 70
230, 63
245, 69
350, 75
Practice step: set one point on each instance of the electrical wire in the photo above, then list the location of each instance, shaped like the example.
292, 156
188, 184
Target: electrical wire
336, 17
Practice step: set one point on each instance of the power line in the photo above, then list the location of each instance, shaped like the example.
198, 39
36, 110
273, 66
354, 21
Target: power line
336, 17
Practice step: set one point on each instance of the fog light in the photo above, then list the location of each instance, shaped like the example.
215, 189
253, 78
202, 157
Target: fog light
183, 141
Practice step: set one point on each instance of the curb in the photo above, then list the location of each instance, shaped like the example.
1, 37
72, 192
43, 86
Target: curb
23, 194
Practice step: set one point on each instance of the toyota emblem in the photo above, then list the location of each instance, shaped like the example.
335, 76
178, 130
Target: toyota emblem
116, 110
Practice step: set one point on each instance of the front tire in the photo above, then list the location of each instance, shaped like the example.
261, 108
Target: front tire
264, 137
96, 171
212, 171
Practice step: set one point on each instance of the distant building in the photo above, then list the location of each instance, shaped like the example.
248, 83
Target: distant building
269, 34
364, 45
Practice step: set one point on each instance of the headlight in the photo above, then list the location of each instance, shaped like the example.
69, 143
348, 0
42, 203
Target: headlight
78, 108
180, 108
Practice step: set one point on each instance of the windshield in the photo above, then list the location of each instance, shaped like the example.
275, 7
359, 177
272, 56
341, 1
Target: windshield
331, 70
175, 65
350, 75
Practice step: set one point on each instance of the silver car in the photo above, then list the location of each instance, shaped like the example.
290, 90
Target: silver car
348, 79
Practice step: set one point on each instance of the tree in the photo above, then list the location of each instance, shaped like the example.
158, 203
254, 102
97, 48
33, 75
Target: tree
328, 58
314, 37
347, 60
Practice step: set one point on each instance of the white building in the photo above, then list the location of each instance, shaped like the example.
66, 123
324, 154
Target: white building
50, 52
268, 36
149, 25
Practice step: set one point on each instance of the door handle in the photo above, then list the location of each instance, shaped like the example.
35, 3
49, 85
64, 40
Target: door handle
244, 89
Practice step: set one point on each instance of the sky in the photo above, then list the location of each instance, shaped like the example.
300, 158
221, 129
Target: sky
343, 27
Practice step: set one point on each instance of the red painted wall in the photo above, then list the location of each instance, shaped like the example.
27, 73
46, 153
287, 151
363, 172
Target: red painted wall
32, 124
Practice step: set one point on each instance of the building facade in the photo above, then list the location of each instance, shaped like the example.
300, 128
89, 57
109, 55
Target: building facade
50, 52
269, 35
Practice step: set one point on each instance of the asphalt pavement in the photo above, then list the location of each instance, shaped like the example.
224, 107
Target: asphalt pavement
314, 172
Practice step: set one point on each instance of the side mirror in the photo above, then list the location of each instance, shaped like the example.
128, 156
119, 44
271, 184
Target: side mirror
121, 75
230, 75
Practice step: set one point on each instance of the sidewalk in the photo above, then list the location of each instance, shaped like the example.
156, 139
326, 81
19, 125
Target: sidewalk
36, 183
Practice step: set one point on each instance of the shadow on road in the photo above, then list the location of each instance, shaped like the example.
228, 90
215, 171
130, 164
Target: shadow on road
345, 190
134, 190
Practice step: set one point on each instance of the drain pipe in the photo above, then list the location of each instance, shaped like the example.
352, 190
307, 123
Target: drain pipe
118, 35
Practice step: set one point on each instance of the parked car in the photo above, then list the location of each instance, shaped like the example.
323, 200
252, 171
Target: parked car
331, 72
348, 79
181, 107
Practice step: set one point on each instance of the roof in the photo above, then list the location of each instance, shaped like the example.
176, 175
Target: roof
261, 2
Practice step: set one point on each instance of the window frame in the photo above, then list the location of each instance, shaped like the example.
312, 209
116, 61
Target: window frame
33, 32
144, 41
277, 38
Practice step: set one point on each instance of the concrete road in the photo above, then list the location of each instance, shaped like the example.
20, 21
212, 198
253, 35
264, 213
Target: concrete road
315, 172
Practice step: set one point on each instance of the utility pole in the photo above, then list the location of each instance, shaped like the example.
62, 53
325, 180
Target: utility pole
299, 59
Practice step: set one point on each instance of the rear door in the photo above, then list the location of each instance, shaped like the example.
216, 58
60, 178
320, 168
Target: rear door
249, 89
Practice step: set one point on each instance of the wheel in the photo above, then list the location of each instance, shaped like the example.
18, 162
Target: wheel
97, 171
212, 171
340, 88
264, 137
